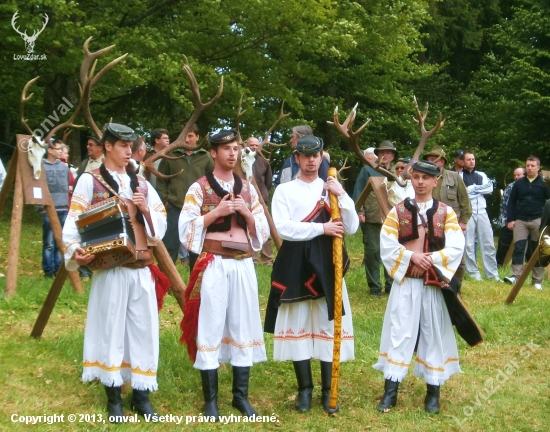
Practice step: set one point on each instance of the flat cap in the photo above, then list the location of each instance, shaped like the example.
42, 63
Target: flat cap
224, 137
459, 154
426, 167
119, 131
309, 144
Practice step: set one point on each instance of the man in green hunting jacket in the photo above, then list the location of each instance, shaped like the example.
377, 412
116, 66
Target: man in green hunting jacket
195, 164
451, 190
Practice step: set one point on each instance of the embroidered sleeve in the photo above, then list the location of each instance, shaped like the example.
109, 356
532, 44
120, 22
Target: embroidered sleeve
191, 223
448, 259
394, 255
81, 200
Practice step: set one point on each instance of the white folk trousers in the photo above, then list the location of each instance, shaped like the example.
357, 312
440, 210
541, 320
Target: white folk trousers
416, 311
121, 340
230, 329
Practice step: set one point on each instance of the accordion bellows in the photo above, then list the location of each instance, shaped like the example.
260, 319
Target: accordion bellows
106, 232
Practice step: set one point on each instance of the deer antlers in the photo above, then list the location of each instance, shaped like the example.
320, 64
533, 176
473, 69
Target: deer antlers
346, 130
88, 80
265, 141
87, 83
425, 135
67, 124
180, 140
24, 100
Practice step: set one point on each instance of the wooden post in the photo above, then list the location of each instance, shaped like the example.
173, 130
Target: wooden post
167, 266
58, 236
15, 236
274, 234
49, 303
508, 256
521, 280
8, 181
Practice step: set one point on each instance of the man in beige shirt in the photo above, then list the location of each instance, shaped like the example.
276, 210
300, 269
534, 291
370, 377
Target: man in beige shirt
94, 159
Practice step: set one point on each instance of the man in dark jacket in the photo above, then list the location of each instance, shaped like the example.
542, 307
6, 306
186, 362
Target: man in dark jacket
525, 205
195, 164
371, 220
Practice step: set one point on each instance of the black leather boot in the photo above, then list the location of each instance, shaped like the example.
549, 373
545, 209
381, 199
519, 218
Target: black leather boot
114, 404
210, 391
326, 376
389, 398
240, 391
431, 401
305, 385
141, 403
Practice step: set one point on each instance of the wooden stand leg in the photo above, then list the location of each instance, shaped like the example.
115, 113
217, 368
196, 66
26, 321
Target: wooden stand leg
57, 234
15, 236
508, 256
49, 303
167, 266
8, 181
521, 280
364, 194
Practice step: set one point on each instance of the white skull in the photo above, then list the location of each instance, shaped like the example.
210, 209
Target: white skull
35, 150
397, 193
247, 160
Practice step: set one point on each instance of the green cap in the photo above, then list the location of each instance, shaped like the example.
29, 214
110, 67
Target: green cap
309, 144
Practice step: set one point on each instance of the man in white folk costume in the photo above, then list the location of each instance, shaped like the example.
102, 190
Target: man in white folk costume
223, 221
121, 339
421, 245
300, 309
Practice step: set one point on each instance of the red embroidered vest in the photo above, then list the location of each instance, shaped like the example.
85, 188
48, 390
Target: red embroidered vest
101, 193
407, 214
211, 200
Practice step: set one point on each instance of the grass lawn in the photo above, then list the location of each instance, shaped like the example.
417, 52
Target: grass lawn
504, 384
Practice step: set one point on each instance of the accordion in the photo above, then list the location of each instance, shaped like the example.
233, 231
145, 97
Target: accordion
106, 232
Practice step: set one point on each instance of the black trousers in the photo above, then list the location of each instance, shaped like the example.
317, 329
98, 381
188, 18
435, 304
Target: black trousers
504, 241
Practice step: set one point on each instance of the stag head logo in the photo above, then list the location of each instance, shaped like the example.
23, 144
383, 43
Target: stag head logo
29, 40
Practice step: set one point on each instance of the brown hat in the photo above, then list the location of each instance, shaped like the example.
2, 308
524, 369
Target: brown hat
386, 145
438, 152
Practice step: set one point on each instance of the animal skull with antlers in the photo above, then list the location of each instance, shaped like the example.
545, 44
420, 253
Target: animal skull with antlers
398, 187
35, 147
29, 40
